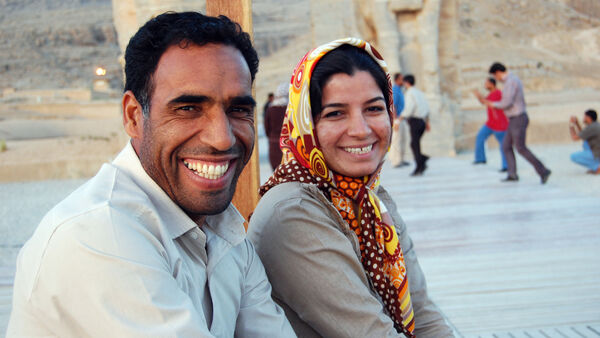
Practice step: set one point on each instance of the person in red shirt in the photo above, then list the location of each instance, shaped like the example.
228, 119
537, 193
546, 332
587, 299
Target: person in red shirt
496, 124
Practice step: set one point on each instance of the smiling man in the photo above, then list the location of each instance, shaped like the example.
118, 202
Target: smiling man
151, 246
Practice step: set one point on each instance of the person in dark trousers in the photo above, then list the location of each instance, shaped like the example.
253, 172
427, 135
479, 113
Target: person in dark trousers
270, 99
273, 121
513, 104
416, 113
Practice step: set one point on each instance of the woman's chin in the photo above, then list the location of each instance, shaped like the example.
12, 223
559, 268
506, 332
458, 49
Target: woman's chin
357, 170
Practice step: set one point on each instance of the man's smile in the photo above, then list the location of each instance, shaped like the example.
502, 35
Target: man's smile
209, 170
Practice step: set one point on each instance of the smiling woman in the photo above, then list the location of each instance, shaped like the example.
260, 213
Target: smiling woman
335, 249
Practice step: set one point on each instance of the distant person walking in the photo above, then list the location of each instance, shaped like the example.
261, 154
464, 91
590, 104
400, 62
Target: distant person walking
513, 104
270, 99
273, 121
496, 124
416, 112
590, 156
400, 128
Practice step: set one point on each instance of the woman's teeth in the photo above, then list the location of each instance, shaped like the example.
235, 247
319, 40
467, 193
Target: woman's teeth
210, 171
362, 150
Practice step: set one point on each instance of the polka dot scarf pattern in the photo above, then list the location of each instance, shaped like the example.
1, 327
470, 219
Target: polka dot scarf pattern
354, 198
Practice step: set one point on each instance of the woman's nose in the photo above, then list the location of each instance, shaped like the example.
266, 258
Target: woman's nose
359, 127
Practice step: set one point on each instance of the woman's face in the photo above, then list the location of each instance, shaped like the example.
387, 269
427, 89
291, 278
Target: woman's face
354, 126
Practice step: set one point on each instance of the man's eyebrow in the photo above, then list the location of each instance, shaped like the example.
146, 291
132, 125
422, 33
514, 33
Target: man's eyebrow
190, 99
243, 101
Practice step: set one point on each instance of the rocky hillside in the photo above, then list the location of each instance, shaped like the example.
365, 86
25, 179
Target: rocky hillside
48, 44
555, 45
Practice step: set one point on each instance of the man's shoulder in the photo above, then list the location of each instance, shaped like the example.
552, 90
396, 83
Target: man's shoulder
85, 220
513, 78
591, 130
89, 211
109, 188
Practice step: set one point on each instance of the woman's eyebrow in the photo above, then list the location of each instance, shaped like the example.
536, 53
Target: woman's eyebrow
334, 105
375, 99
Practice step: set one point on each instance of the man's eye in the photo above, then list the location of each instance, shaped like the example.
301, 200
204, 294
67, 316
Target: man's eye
242, 111
186, 108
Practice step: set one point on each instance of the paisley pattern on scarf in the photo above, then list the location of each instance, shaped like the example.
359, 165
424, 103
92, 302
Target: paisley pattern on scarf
354, 198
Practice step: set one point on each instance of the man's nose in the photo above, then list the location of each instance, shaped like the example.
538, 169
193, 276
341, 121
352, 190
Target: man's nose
219, 133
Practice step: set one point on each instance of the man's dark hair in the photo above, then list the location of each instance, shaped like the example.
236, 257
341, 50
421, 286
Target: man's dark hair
592, 114
396, 76
492, 80
410, 79
150, 42
271, 95
497, 67
345, 59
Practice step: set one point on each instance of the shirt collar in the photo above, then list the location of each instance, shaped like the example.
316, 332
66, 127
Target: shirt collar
228, 224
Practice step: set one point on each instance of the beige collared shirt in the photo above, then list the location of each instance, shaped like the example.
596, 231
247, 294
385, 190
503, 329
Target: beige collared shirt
415, 104
313, 261
118, 258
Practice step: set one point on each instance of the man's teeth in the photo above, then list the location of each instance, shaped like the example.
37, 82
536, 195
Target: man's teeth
210, 171
362, 150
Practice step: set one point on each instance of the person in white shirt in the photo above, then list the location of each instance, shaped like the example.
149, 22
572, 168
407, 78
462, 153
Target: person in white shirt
416, 112
151, 246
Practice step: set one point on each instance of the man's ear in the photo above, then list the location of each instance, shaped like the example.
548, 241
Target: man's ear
133, 117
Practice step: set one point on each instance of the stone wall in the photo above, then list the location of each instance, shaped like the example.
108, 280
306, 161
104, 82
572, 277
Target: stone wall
56, 44
554, 46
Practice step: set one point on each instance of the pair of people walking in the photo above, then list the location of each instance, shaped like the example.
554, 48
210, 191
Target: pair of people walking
512, 102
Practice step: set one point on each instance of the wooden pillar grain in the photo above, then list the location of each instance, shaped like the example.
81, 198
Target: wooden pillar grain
246, 195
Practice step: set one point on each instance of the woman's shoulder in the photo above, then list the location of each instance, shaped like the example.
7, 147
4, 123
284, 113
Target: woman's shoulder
291, 191
286, 205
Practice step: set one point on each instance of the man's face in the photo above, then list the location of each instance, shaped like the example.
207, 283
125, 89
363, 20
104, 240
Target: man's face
398, 81
498, 76
200, 131
587, 119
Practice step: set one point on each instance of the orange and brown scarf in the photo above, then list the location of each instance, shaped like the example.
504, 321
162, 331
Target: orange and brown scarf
303, 161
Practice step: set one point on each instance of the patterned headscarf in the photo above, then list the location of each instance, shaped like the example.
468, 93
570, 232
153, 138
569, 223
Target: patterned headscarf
303, 161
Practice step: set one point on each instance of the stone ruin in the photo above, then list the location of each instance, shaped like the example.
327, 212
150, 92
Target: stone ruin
448, 44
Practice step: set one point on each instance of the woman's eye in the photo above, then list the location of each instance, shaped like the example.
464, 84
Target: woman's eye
332, 114
375, 109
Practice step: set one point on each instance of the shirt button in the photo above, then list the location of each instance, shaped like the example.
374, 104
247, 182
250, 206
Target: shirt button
194, 235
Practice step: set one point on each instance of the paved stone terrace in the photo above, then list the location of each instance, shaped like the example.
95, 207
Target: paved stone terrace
501, 259
507, 259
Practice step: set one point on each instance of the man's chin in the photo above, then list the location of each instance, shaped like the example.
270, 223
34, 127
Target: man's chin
211, 203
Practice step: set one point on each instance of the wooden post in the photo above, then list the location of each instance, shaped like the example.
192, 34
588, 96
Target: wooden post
246, 195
